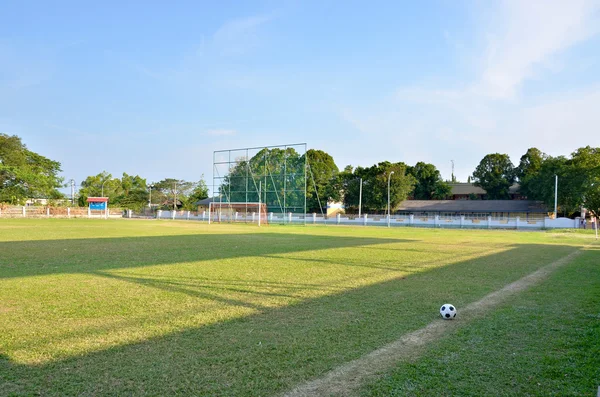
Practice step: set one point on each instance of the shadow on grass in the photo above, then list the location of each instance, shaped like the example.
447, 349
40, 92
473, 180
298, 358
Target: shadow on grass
43, 257
276, 348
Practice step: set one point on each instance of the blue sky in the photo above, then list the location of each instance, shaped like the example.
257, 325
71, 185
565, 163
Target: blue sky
153, 89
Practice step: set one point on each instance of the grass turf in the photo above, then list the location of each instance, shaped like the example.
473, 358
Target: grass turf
147, 307
543, 342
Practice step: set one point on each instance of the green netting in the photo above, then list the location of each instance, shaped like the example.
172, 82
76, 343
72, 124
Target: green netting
274, 175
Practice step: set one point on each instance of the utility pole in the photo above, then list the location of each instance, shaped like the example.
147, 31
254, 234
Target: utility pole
72, 192
174, 196
555, 195
452, 161
360, 199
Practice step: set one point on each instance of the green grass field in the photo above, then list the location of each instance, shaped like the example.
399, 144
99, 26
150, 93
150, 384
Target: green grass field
125, 307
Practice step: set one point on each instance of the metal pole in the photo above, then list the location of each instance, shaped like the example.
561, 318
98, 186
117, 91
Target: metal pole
259, 192
72, 192
174, 195
360, 199
389, 214
150, 198
102, 194
555, 195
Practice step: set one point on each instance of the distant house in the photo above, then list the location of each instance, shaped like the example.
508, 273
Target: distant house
203, 204
468, 191
497, 209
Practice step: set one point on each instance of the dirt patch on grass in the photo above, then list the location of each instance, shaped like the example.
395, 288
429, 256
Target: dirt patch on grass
346, 379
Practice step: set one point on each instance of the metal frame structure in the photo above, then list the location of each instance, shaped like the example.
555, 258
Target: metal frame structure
273, 175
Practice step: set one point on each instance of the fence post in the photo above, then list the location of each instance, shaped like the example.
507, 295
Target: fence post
462, 221
253, 217
436, 220
338, 218
517, 222
290, 217
0, 211
314, 217
365, 220
203, 215
89, 212
270, 217
68, 212
24, 211
411, 219
48, 212
489, 219
187, 216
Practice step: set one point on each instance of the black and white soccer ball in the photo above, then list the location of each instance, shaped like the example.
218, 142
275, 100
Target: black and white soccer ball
447, 311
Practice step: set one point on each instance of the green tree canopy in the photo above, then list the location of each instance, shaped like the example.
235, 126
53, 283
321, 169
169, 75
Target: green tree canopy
495, 174
25, 174
322, 174
375, 184
429, 183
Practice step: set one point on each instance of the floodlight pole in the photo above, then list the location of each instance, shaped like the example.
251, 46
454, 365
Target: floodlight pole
555, 195
150, 197
360, 198
259, 193
389, 213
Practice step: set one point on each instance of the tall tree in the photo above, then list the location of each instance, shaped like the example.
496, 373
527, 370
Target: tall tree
429, 182
102, 184
375, 184
25, 174
529, 167
322, 172
495, 174
171, 190
584, 179
199, 192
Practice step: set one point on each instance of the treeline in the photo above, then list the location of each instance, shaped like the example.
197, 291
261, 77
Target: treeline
133, 192
25, 174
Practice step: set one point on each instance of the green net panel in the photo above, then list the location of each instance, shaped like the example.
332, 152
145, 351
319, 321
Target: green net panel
274, 176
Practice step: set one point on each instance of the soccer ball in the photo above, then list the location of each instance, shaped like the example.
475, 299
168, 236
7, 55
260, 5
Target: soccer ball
447, 311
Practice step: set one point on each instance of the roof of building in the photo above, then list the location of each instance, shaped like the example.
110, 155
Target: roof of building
205, 201
461, 188
472, 206
97, 199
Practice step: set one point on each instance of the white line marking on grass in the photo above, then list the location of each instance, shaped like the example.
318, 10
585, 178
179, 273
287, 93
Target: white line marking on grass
343, 380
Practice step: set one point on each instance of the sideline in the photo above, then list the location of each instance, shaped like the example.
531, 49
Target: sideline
348, 377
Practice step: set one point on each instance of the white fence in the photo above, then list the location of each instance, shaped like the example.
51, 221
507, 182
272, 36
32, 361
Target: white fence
58, 212
436, 221
459, 222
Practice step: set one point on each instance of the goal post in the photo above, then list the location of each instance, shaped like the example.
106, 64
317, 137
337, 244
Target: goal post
240, 212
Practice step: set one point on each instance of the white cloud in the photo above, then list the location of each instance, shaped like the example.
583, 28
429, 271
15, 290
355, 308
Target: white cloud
526, 35
527, 40
237, 36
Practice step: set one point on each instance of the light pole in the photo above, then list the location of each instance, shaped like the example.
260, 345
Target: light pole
360, 199
102, 194
150, 197
555, 195
389, 213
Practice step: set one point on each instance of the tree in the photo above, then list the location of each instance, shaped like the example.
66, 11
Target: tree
495, 174
322, 174
429, 182
199, 192
585, 179
375, 183
134, 192
171, 190
98, 185
529, 167
25, 174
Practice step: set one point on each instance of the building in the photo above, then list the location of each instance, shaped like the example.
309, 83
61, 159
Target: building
474, 209
468, 191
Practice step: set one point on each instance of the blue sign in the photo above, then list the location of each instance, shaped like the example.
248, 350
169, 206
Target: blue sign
98, 205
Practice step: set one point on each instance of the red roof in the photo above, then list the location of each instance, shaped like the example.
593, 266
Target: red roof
97, 199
